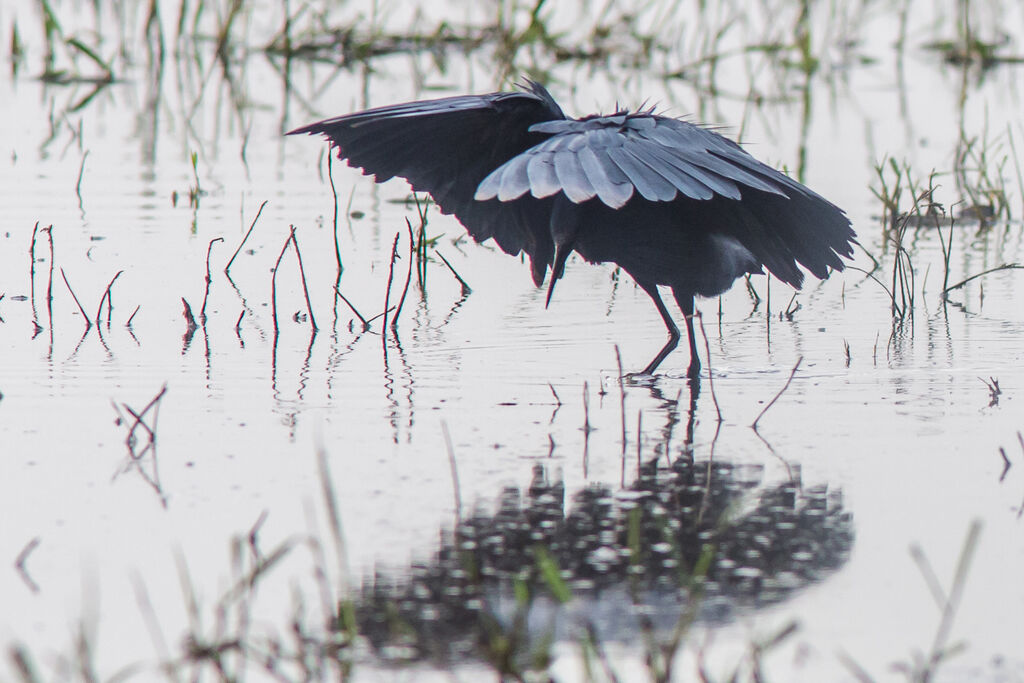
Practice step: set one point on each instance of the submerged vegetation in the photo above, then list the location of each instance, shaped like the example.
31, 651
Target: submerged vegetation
690, 538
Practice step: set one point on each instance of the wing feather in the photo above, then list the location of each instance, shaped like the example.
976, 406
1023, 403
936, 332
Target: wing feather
610, 183
542, 175
573, 178
514, 181
613, 157
651, 185
681, 175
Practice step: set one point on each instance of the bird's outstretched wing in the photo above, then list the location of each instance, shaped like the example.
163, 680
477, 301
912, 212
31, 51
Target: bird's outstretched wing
611, 157
445, 147
719, 187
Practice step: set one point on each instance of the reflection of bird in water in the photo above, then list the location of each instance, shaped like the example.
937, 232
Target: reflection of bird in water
670, 202
711, 538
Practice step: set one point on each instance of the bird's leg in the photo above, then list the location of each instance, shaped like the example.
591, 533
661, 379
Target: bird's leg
686, 304
673, 331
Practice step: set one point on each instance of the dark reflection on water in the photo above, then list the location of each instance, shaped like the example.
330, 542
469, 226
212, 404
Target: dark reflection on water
698, 538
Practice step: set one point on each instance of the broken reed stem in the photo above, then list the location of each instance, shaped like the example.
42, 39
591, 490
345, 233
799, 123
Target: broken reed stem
333, 517
132, 316
408, 279
639, 440
466, 289
106, 297
707, 351
273, 280
302, 276
155, 401
19, 565
370, 320
242, 244
189, 318
22, 557
32, 268
206, 294
32, 248
49, 283
792, 373
586, 411
387, 292
366, 325
421, 245
88, 322
622, 398
1005, 266
334, 193
81, 172
455, 472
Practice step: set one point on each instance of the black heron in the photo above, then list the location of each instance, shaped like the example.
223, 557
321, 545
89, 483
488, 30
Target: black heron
672, 203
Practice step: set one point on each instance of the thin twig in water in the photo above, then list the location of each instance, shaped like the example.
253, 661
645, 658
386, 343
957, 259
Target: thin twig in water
455, 472
155, 401
32, 270
366, 325
242, 243
334, 193
408, 279
132, 316
854, 668
892, 297
586, 410
333, 514
781, 391
253, 536
379, 315
1006, 463
949, 603
81, 172
189, 318
707, 352
639, 440
421, 245
19, 563
206, 293
466, 289
1005, 266
88, 323
387, 292
993, 390
302, 275
593, 640
106, 297
49, 284
622, 399
273, 280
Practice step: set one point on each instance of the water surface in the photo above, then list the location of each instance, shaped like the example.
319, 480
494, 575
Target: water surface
891, 422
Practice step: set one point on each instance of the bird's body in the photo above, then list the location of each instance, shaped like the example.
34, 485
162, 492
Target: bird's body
672, 203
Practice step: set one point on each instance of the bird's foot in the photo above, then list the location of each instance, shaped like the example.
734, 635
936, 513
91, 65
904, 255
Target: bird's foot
642, 378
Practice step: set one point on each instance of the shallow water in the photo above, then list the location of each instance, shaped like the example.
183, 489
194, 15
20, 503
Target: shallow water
902, 430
